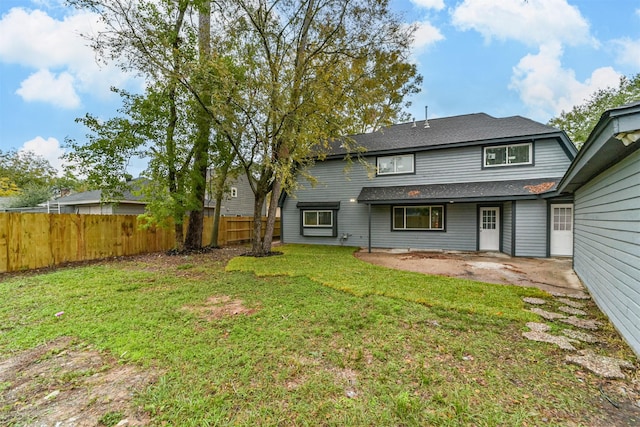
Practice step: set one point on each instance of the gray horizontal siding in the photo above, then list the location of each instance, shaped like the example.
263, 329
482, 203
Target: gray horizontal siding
243, 204
507, 228
531, 228
465, 165
607, 244
460, 234
337, 183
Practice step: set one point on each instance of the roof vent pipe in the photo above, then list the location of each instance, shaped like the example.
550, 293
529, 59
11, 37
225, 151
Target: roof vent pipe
414, 123
426, 116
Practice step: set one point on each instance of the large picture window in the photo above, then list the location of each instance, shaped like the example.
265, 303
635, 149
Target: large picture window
393, 165
318, 218
418, 218
508, 155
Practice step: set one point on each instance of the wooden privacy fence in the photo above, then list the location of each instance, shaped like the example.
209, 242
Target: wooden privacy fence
36, 240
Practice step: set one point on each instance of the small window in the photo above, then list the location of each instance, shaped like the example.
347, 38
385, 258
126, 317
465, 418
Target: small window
318, 219
234, 192
418, 218
391, 165
508, 155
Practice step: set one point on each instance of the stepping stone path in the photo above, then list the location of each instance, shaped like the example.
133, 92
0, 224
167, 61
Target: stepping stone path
538, 333
591, 324
603, 366
579, 295
572, 310
536, 301
538, 327
570, 302
547, 314
607, 367
582, 336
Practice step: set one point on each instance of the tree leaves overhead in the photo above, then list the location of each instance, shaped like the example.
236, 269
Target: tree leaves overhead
278, 81
580, 121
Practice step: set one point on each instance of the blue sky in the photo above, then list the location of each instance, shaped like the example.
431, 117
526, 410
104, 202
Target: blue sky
533, 58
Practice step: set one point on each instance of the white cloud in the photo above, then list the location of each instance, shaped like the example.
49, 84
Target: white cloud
429, 4
532, 22
628, 52
548, 89
426, 35
44, 86
48, 148
35, 40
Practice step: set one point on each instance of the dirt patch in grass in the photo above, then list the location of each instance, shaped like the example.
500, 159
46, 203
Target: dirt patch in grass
219, 306
67, 383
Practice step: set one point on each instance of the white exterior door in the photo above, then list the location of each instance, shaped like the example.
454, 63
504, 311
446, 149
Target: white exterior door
489, 229
561, 230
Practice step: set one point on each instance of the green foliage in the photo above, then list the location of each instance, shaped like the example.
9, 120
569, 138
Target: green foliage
31, 195
24, 168
580, 121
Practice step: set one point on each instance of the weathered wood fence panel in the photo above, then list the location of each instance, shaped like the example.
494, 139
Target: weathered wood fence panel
36, 240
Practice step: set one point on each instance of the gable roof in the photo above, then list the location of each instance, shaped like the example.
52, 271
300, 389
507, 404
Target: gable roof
468, 129
604, 147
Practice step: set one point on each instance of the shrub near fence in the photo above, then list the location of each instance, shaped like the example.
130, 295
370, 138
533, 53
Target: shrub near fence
36, 240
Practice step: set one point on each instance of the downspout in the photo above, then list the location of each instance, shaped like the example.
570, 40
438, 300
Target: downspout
369, 245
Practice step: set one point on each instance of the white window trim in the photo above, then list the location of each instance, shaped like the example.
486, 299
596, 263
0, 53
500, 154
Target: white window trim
393, 215
485, 156
395, 172
304, 218
234, 191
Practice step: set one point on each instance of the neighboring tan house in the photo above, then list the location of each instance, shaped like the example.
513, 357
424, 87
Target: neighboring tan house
605, 181
470, 183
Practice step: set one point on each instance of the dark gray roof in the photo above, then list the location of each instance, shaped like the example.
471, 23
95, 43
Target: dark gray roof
469, 129
459, 192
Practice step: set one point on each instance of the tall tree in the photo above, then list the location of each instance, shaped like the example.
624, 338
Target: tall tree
156, 126
160, 41
293, 73
312, 72
581, 119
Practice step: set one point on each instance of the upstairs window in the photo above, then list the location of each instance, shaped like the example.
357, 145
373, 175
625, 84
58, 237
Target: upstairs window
234, 192
393, 165
508, 155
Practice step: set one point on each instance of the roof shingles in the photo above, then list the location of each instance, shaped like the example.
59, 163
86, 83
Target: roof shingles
458, 192
464, 129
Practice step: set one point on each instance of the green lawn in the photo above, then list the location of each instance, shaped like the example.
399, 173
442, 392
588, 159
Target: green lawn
329, 340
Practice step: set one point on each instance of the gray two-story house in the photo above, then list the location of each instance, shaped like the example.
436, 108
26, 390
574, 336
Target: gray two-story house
467, 183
